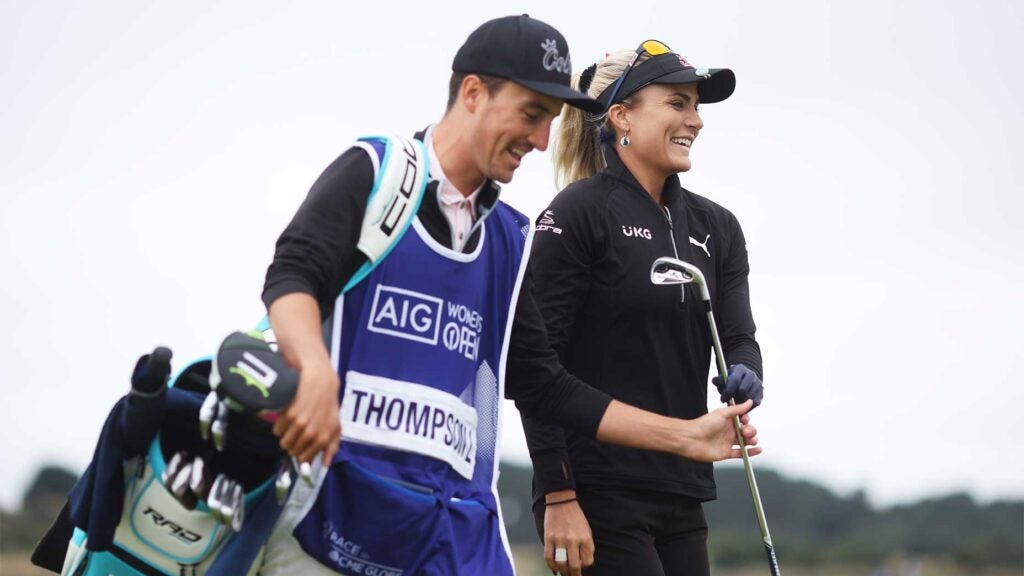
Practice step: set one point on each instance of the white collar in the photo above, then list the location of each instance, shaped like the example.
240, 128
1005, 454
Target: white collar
446, 191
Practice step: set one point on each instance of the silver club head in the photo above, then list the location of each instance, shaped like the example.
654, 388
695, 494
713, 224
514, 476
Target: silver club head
304, 470
172, 468
179, 481
237, 514
227, 510
207, 413
667, 271
283, 483
219, 429
179, 487
215, 500
199, 482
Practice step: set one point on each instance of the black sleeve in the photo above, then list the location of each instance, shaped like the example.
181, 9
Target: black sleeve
537, 381
546, 442
316, 254
733, 315
560, 264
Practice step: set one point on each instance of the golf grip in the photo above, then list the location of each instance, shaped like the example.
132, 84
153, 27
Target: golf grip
773, 564
723, 372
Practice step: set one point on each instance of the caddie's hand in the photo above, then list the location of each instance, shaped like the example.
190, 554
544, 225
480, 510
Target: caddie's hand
712, 437
743, 384
310, 424
568, 543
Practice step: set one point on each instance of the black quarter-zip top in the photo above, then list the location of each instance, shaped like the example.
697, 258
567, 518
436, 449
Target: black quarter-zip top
643, 344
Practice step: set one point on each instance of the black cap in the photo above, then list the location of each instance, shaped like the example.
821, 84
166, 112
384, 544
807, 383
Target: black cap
525, 51
713, 84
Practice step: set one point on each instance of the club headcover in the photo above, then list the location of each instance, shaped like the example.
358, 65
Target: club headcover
251, 377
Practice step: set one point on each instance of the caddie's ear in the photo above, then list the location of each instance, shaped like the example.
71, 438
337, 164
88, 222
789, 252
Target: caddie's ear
472, 92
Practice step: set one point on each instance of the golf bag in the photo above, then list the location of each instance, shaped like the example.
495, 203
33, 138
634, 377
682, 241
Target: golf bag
130, 515
127, 517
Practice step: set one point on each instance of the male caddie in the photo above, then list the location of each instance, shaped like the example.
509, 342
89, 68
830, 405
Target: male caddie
407, 366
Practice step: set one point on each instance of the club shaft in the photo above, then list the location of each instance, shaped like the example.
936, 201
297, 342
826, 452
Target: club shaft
723, 372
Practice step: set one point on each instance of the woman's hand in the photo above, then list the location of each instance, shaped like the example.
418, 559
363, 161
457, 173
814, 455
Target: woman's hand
566, 528
712, 437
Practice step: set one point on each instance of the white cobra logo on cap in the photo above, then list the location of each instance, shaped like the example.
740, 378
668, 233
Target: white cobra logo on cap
552, 61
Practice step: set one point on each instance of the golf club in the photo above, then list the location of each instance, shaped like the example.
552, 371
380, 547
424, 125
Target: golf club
207, 414
217, 499
283, 483
666, 271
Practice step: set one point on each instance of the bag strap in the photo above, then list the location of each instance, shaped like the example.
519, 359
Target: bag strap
394, 201
400, 180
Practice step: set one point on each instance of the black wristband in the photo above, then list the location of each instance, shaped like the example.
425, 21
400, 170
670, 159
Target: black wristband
557, 502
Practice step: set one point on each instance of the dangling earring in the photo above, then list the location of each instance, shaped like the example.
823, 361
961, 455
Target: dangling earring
624, 141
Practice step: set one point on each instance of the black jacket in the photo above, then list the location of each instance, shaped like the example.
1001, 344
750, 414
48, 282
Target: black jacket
316, 254
643, 344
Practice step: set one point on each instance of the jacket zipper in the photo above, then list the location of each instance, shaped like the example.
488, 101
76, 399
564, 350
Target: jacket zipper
675, 251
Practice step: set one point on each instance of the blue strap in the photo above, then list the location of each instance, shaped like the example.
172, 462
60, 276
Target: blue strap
367, 267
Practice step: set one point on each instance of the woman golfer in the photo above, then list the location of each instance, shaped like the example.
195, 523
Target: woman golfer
643, 344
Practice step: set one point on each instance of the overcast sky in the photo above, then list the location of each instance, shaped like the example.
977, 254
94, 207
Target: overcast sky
151, 153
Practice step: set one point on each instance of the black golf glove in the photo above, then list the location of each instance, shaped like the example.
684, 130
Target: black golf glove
743, 385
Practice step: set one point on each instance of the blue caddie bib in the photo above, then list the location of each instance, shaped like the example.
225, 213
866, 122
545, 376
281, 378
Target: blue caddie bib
420, 349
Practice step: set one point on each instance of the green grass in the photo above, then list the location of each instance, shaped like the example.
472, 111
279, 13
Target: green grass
529, 562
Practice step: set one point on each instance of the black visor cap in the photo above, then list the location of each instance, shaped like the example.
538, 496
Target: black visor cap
713, 84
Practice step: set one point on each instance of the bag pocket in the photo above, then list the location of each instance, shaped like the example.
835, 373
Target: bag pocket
363, 523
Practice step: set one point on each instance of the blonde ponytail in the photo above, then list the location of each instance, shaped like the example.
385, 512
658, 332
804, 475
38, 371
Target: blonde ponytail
577, 153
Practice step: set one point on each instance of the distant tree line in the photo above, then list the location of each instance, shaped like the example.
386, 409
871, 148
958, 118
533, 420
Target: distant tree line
809, 523
21, 530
